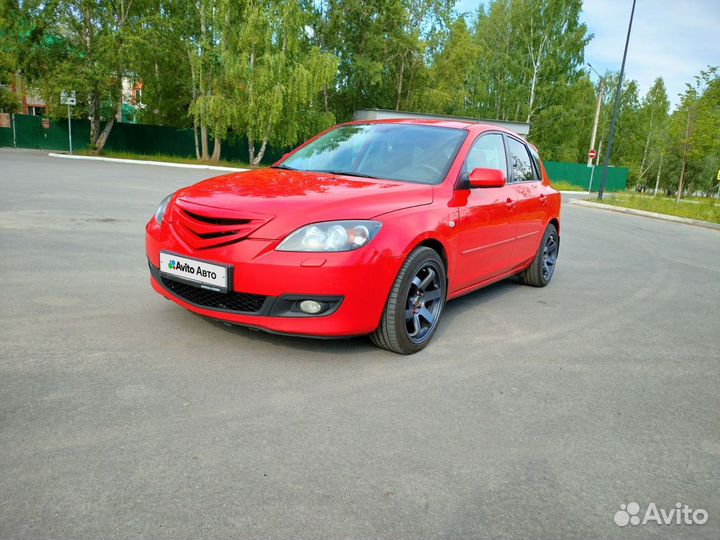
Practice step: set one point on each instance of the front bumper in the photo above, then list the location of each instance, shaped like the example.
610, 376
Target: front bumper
268, 283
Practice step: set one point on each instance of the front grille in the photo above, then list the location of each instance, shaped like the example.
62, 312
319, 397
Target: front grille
215, 235
202, 227
216, 220
231, 301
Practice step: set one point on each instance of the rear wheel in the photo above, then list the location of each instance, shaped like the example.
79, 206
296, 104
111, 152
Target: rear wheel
540, 272
415, 304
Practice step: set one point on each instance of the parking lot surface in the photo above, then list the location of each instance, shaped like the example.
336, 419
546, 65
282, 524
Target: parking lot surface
534, 413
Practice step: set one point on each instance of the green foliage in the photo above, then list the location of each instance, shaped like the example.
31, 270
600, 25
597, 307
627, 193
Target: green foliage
448, 75
8, 60
77, 45
383, 48
518, 61
159, 57
693, 133
707, 210
267, 75
278, 71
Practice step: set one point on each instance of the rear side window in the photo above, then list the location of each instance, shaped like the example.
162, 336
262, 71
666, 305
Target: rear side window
536, 163
488, 152
520, 160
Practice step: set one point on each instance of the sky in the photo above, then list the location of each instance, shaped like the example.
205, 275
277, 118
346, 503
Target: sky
674, 39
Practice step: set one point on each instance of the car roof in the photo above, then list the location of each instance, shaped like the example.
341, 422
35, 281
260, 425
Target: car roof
446, 123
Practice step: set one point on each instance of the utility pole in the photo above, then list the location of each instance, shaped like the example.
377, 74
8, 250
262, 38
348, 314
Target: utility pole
601, 94
615, 110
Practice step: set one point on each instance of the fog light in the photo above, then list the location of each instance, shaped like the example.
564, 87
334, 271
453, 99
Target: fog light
311, 307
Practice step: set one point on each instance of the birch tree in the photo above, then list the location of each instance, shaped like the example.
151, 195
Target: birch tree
654, 115
274, 76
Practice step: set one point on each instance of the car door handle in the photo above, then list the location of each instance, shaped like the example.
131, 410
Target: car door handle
510, 203
543, 198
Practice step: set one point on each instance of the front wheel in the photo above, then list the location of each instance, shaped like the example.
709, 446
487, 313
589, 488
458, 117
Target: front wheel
415, 304
540, 272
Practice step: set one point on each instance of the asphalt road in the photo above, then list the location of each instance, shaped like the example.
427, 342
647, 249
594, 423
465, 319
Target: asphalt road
535, 413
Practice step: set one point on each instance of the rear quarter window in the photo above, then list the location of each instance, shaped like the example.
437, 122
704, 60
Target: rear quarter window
520, 162
536, 163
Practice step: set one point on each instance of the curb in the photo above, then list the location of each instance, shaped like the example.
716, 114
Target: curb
645, 213
147, 162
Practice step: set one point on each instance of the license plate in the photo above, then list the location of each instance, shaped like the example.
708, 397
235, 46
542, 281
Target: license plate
199, 273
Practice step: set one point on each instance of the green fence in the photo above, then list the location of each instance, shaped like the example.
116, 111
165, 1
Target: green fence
6, 137
135, 138
580, 175
30, 133
148, 140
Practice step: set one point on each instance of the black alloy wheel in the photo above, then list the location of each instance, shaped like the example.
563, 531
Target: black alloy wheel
415, 304
549, 256
541, 271
424, 302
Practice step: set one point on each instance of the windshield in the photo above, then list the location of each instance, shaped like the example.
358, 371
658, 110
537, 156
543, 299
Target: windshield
410, 153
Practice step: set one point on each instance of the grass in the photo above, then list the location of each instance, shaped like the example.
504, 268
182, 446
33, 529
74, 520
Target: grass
167, 159
706, 210
683, 200
564, 185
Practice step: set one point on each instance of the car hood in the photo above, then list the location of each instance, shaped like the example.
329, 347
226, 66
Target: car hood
280, 201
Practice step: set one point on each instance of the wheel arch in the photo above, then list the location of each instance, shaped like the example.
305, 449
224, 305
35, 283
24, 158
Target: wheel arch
556, 222
437, 245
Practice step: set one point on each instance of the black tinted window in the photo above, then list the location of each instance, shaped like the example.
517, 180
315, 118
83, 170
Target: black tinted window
520, 161
488, 152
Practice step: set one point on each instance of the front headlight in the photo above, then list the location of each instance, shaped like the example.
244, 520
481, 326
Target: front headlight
331, 236
160, 212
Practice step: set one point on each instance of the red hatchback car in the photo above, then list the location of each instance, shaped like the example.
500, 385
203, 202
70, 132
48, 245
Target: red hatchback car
368, 228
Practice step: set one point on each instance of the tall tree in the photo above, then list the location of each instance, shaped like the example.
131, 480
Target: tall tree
271, 76
159, 59
531, 52
8, 56
653, 116
694, 129
446, 91
553, 43
83, 48
562, 132
382, 47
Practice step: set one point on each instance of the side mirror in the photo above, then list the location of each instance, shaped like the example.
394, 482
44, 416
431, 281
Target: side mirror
486, 178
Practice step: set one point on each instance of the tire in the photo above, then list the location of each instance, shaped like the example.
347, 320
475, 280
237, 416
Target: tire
415, 304
541, 271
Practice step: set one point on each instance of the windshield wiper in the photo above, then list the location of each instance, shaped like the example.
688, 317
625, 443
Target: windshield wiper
350, 173
283, 167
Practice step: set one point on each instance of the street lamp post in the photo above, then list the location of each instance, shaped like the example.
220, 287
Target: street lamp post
615, 109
